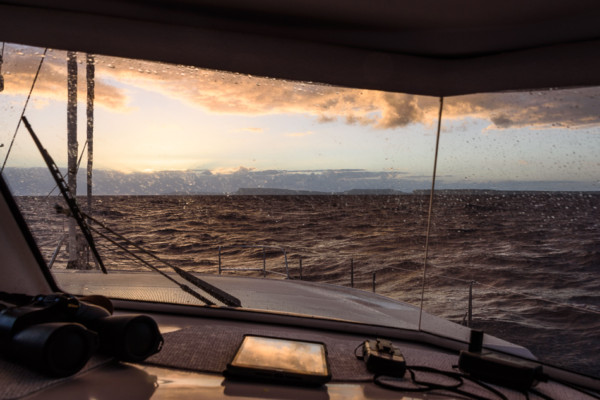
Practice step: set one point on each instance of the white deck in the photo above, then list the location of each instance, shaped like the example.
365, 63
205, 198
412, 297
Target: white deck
286, 296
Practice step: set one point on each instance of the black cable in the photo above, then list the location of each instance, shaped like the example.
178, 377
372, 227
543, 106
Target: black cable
453, 388
357, 347
452, 375
425, 386
430, 386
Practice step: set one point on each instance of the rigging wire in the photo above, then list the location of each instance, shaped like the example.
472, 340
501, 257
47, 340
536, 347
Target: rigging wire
217, 293
185, 288
24, 109
435, 160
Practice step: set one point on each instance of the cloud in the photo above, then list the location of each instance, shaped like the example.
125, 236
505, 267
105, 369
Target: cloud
19, 72
222, 92
239, 94
568, 108
228, 93
401, 110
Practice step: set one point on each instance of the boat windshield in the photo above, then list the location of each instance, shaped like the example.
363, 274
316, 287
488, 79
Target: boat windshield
184, 171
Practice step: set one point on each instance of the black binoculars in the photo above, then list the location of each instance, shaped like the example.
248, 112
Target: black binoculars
57, 334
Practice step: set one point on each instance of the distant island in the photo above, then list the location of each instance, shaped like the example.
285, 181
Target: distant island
392, 192
36, 181
493, 191
291, 192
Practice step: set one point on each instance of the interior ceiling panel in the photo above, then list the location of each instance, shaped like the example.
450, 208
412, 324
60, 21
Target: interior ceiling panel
429, 47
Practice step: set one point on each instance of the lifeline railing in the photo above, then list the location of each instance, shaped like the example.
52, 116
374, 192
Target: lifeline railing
467, 319
264, 267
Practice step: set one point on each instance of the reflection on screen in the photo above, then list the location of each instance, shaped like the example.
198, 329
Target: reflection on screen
281, 354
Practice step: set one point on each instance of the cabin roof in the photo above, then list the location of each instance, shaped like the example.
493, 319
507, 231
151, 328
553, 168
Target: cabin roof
281, 296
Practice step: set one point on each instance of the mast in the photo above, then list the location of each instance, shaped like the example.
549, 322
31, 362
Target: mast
72, 151
78, 256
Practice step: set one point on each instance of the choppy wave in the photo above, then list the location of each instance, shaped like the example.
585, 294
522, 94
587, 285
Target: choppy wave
534, 259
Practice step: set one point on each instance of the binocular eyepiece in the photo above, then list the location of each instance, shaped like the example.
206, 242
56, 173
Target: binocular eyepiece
57, 334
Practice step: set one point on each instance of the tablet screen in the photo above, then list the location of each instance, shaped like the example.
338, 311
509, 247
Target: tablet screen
274, 354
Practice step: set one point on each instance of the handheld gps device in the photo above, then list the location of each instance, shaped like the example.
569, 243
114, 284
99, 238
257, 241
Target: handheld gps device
280, 360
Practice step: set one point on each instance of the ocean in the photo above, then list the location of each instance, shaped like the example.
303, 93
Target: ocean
532, 259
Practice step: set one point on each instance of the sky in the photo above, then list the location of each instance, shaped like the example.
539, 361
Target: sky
152, 117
